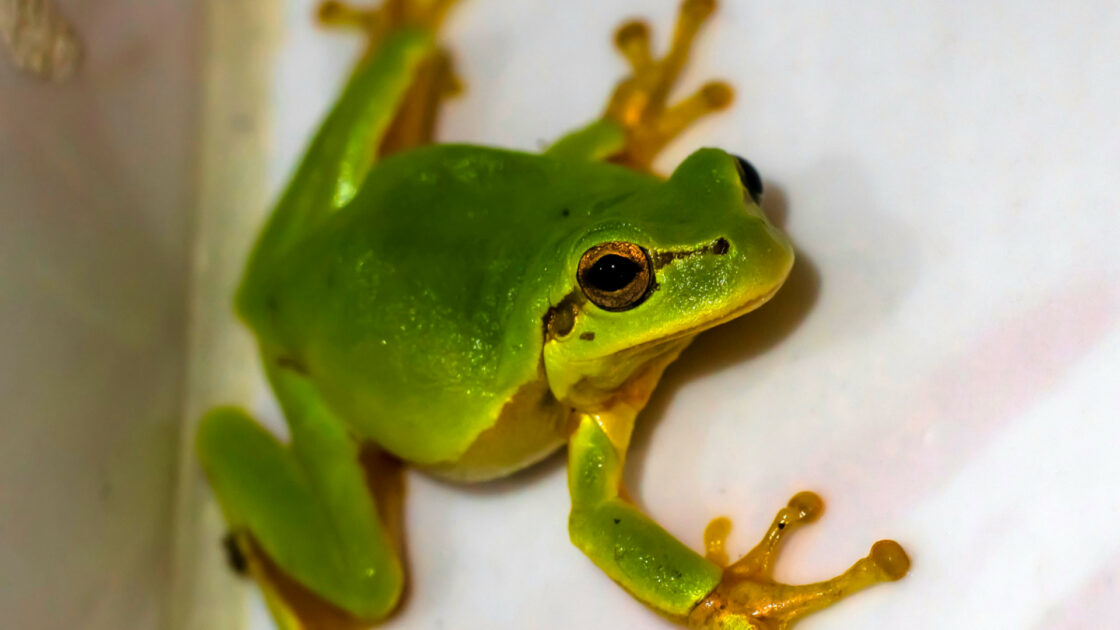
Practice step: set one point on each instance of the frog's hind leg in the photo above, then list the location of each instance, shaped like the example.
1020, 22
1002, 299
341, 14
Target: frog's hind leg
418, 114
773, 605
639, 119
434, 80
388, 104
315, 522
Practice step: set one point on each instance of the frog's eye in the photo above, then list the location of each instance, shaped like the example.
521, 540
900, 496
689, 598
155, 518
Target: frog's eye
748, 176
615, 276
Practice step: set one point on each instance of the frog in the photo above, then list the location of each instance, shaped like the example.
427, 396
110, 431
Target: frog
467, 311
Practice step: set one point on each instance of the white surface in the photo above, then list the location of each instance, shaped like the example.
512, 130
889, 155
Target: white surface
942, 365
95, 194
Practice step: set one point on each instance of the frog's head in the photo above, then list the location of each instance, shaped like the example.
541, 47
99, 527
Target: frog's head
656, 268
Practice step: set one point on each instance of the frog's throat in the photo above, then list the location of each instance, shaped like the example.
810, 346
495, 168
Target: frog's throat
612, 388
614, 399
620, 386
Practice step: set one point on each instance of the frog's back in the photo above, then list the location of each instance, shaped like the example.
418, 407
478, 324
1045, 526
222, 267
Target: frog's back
417, 309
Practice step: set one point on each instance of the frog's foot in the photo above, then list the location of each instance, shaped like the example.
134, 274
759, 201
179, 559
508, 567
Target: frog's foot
293, 605
748, 597
392, 14
313, 522
640, 101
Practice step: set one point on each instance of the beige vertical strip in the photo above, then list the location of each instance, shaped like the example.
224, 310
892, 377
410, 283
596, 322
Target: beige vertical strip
239, 40
38, 38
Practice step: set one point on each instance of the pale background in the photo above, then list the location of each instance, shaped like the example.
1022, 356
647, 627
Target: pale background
95, 212
942, 366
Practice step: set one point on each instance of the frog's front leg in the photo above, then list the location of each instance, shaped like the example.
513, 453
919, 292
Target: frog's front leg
667, 575
639, 121
311, 519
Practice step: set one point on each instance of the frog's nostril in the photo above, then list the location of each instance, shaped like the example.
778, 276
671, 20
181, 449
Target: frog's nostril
721, 247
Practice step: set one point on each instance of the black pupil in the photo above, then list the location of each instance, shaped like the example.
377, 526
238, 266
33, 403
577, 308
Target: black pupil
612, 273
750, 179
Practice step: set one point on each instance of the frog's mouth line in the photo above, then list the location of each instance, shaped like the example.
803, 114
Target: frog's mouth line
719, 319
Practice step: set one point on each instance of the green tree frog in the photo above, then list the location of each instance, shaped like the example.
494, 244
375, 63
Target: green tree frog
469, 310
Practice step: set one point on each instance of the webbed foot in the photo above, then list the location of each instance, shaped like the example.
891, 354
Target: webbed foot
640, 101
748, 597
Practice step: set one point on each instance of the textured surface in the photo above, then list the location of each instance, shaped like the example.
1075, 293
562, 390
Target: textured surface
941, 366
95, 194
38, 38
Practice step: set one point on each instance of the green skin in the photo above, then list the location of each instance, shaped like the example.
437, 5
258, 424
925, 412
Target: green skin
407, 304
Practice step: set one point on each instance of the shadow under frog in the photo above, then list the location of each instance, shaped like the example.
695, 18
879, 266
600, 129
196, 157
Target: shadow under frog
759, 331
